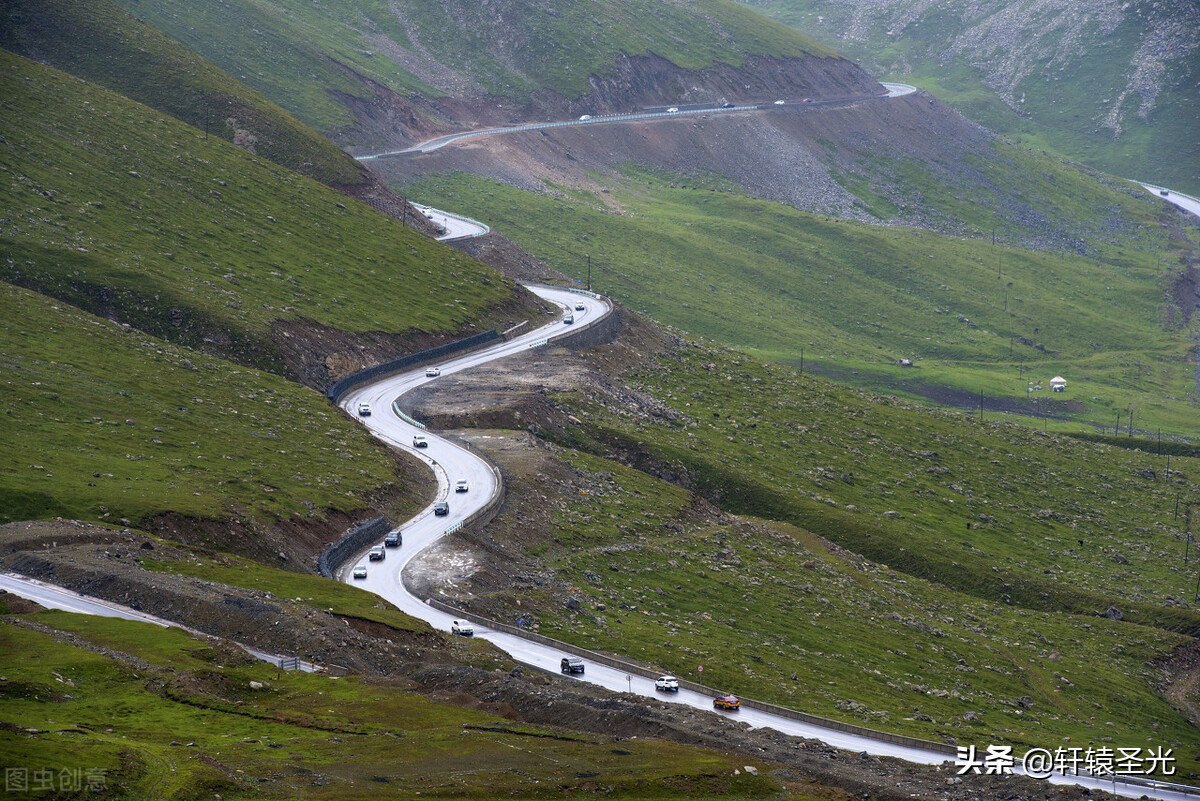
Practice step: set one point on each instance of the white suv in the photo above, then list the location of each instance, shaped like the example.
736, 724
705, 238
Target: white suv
667, 684
462, 627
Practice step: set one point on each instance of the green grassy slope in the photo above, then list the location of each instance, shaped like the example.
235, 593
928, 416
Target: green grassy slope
532, 45
100, 42
1068, 73
853, 298
160, 714
1004, 513
774, 613
103, 423
126, 212
302, 55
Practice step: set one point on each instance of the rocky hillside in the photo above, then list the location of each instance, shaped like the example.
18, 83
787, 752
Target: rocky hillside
1109, 82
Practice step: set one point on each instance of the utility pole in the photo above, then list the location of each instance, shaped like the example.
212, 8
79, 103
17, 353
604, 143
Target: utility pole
589, 284
1187, 516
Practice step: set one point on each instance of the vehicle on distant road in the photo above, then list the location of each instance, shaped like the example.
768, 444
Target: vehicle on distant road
806, 100
462, 628
779, 102
441, 508
393, 539
1163, 192
364, 410
419, 441
570, 318
667, 684
376, 554
360, 571
571, 664
726, 105
461, 485
585, 118
672, 110
433, 372
730, 702
579, 306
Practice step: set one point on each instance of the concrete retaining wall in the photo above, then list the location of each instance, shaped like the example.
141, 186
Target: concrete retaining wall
354, 540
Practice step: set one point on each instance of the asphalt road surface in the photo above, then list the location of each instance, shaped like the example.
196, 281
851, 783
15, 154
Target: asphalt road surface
451, 462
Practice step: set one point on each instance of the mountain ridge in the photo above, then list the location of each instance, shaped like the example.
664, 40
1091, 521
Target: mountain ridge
1110, 83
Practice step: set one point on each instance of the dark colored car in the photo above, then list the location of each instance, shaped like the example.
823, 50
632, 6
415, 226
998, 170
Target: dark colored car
393, 539
572, 664
441, 508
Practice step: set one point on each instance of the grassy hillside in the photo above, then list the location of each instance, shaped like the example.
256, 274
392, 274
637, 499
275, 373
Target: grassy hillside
852, 299
531, 46
898, 567
774, 612
303, 55
153, 713
104, 423
1111, 85
100, 42
995, 510
132, 214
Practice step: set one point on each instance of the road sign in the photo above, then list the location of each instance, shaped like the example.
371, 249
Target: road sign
700, 669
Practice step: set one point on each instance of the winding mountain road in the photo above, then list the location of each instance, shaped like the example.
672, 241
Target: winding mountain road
450, 462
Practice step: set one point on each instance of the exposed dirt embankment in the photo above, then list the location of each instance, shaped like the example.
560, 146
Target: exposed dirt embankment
105, 563
653, 81
634, 83
538, 699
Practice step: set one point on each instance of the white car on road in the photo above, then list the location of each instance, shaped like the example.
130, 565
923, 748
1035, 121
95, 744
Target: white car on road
462, 627
433, 372
666, 684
